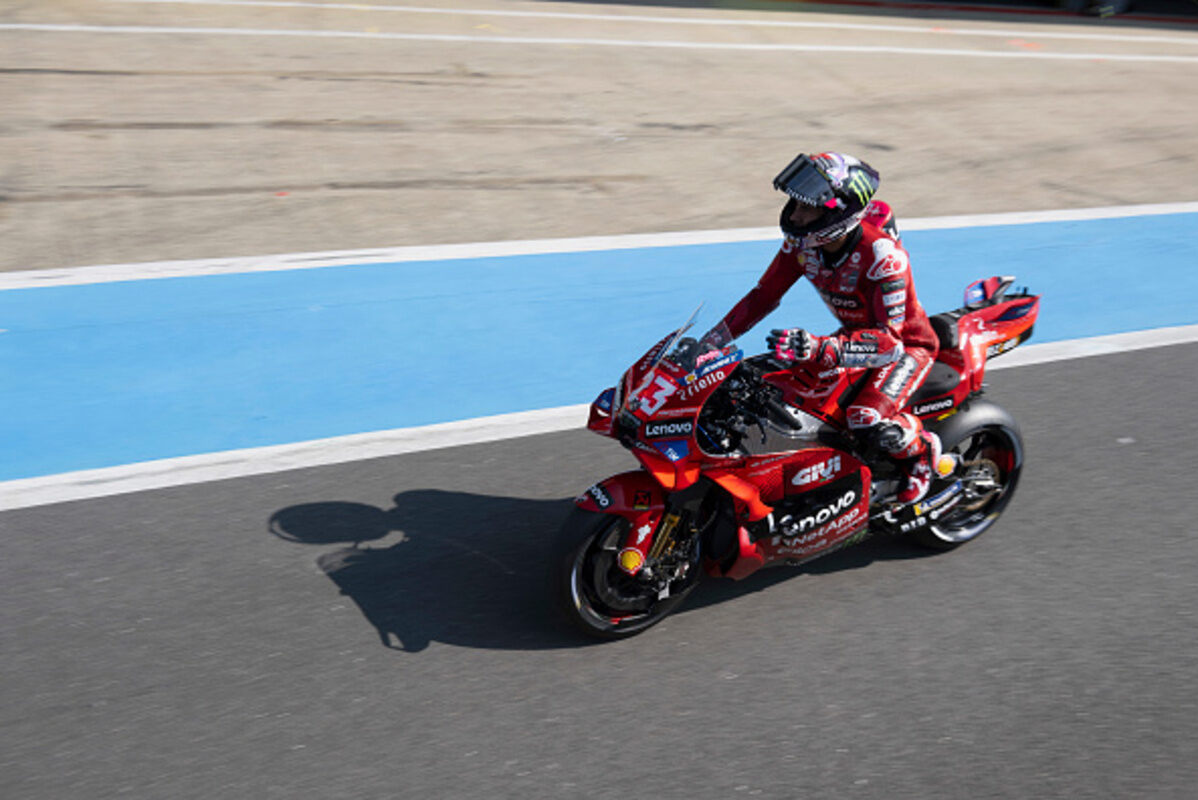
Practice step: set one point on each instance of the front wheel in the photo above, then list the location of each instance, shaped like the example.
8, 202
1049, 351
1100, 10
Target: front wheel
990, 450
596, 595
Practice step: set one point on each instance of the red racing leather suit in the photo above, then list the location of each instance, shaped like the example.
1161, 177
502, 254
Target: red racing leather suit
868, 286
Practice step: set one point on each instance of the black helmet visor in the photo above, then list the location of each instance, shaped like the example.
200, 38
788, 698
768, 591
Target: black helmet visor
804, 181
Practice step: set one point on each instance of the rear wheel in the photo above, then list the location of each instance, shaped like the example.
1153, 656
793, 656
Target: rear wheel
597, 596
991, 457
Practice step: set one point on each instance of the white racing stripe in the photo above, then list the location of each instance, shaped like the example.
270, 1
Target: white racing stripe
75, 276
86, 484
1028, 355
583, 42
724, 21
166, 473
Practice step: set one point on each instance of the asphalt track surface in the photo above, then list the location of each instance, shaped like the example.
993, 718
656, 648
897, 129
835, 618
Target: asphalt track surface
380, 629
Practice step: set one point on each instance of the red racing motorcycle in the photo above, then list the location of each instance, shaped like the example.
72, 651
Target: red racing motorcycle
749, 462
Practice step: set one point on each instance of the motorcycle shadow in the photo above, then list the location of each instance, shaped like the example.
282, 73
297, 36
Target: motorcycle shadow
474, 570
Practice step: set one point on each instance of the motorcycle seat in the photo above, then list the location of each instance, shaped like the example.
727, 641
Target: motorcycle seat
941, 380
945, 326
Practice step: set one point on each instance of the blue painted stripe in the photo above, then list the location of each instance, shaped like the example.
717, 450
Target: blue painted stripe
107, 374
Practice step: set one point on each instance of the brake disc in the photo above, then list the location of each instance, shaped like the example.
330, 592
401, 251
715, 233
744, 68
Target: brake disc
981, 481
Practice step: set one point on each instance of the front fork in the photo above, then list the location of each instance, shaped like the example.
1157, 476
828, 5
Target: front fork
657, 524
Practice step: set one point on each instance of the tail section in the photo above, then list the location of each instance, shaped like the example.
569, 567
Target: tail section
992, 321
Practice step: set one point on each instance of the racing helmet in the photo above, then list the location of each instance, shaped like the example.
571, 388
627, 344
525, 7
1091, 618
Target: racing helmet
840, 185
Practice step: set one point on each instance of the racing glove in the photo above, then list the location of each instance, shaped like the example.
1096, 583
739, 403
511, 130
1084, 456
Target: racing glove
796, 344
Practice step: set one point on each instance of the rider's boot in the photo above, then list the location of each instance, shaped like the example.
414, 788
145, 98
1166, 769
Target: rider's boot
918, 459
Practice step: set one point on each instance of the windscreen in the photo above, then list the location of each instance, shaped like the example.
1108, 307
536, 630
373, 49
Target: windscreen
687, 354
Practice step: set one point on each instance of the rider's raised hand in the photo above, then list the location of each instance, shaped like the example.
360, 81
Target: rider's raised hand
796, 344
791, 344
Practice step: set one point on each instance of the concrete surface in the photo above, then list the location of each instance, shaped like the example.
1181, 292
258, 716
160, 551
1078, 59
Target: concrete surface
138, 147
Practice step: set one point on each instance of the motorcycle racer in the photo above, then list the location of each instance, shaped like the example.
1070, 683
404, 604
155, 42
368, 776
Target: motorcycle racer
847, 245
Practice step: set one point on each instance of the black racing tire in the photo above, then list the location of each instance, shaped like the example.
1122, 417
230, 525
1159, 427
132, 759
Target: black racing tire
594, 595
987, 437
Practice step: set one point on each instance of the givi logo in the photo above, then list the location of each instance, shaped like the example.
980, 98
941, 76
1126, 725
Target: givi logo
822, 471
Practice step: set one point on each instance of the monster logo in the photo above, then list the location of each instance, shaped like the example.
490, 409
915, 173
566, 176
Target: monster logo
860, 187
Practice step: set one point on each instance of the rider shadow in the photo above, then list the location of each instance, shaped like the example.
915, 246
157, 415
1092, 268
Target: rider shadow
475, 570
440, 566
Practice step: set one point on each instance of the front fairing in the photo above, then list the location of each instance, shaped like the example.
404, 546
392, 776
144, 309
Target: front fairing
660, 418
654, 407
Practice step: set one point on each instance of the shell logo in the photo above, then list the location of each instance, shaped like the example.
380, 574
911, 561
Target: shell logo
631, 560
946, 465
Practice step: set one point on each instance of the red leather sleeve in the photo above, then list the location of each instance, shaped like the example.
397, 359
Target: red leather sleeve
889, 291
868, 347
765, 296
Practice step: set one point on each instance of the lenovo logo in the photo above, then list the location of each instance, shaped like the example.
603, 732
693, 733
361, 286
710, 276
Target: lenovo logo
824, 514
658, 430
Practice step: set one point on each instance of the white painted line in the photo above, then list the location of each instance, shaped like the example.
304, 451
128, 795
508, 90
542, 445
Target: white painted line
76, 276
724, 21
1056, 215
1031, 354
186, 470
149, 475
568, 42
73, 276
